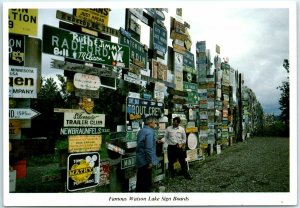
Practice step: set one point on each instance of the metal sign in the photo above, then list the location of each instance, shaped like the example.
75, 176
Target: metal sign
88, 24
16, 49
128, 162
22, 113
188, 59
138, 54
138, 12
22, 82
96, 15
82, 47
86, 81
83, 171
83, 120
160, 41
201, 46
23, 21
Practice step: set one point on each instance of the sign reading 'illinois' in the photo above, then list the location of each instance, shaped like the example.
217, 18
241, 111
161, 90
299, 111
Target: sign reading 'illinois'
78, 46
84, 120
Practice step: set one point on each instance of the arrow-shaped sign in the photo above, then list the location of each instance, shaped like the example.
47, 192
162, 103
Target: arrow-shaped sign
22, 113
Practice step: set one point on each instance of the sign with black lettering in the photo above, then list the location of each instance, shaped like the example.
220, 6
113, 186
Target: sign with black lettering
23, 21
16, 49
140, 108
96, 15
138, 54
160, 41
83, 171
65, 43
22, 82
83, 120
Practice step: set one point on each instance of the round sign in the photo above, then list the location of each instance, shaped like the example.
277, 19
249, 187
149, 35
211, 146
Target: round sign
192, 141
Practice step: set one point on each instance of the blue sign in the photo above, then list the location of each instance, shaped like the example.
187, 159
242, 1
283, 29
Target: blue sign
160, 40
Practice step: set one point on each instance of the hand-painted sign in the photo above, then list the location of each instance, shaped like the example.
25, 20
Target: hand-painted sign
83, 120
140, 108
96, 15
83, 131
86, 23
138, 54
16, 49
22, 113
84, 143
160, 41
86, 104
86, 81
77, 46
83, 170
23, 21
22, 82
128, 162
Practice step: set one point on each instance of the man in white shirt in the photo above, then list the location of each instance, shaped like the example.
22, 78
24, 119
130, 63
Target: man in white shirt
175, 137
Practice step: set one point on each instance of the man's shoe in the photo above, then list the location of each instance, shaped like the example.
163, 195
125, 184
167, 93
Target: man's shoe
188, 177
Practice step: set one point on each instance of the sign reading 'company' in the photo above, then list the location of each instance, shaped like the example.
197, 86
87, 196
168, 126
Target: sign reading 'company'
78, 46
83, 120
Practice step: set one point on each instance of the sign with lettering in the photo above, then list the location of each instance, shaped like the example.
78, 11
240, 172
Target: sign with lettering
83, 131
23, 21
201, 46
96, 15
192, 155
86, 93
84, 143
87, 24
16, 49
14, 129
22, 113
22, 82
83, 120
188, 59
160, 41
140, 108
82, 47
138, 54
138, 12
86, 81
104, 173
128, 162
83, 170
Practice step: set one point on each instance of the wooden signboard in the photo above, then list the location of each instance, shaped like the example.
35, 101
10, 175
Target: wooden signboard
83, 131
84, 143
97, 15
23, 21
83, 120
86, 81
86, 93
65, 43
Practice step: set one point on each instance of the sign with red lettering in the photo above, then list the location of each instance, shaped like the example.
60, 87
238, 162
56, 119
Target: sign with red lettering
86, 81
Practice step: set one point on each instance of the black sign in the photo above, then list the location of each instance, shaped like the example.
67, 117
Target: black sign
16, 49
83, 170
160, 41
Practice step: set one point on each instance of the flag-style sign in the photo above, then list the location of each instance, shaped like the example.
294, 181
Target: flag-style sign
22, 113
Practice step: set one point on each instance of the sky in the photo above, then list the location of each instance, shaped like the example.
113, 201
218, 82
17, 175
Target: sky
255, 39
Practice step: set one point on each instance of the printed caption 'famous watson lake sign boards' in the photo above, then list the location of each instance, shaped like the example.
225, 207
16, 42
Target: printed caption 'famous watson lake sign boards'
77, 46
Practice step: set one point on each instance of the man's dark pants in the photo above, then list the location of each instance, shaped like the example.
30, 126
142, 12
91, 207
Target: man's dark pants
144, 179
174, 153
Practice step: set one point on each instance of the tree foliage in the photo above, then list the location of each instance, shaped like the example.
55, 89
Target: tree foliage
284, 100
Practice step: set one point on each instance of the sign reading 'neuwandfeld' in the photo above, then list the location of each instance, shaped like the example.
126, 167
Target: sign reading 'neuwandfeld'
77, 46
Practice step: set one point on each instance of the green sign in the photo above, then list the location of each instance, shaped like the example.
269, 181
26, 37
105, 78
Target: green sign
138, 55
82, 47
192, 92
128, 162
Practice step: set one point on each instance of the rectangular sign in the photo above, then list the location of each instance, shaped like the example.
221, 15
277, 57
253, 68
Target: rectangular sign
160, 41
95, 15
84, 143
138, 54
188, 59
23, 21
16, 49
83, 131
128, 162
86, 81
104, 173
22, 82
83, 120
22, 113
83, 170
65, 43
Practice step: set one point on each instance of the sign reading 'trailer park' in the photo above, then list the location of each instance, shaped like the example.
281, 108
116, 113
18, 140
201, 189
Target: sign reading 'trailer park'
61, 42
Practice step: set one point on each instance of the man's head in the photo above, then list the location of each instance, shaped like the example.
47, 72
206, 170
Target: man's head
151, 121
176, 121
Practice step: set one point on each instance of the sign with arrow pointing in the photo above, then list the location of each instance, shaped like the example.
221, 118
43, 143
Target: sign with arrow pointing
22, 113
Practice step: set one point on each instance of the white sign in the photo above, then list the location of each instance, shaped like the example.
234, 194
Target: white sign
83, 120
22, 113
86, 81
22, 82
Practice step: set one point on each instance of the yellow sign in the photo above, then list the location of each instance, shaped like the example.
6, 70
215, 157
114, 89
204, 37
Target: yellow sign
23, 21
95, 15
81, 172
14, 127
84, 143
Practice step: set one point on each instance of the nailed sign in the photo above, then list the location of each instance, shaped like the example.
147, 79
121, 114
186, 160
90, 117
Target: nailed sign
84, 120
160, 41
188, 59
23, 21
16, 49
86, 81
96, 15
83, 131
83, 170
22, 82
22, 113
84, 143
128, 162
78, 46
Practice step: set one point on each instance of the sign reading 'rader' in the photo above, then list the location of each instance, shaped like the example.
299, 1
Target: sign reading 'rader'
77, 46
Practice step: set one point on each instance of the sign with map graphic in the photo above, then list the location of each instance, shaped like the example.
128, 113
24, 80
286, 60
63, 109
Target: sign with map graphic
83, 171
